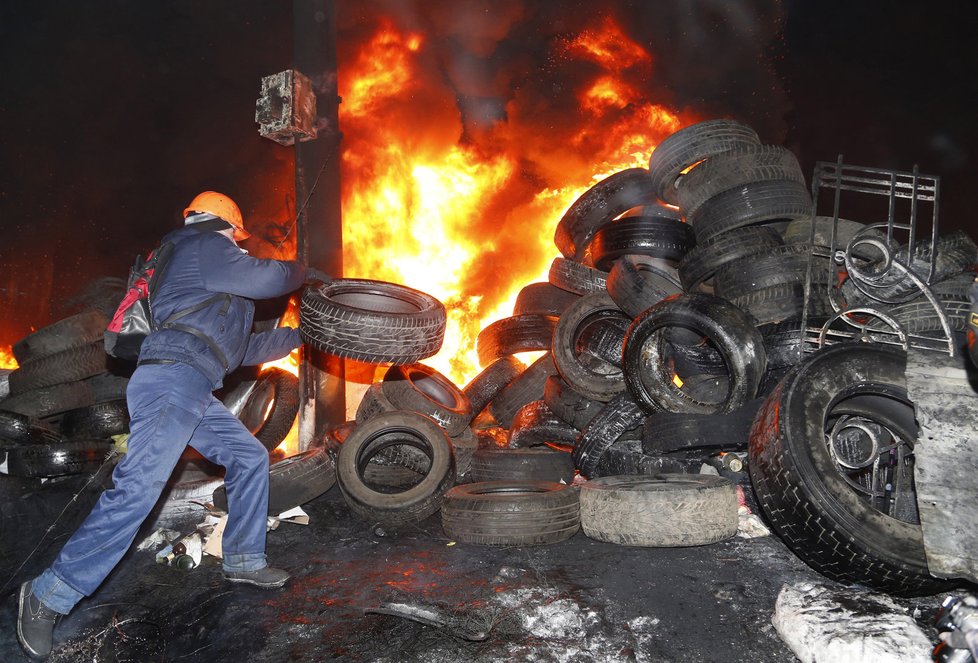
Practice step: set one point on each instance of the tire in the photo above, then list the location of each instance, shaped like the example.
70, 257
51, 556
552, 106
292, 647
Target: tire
783, 343
543, 299
520, 333
800, 232
373, 403
804, 492
422, 389
17, 429
620, 414
780, 265
626, 458
272, 407
464, 447
414, 503
665, 432
589, 374
108, 387
726, 327
99, 421
704, 260
759, 202
486, 385
568, 404
535, 425
78, 330
525, 388
57, 459
537, 464
656, 237
600, 204
372, 321
292, 481
511, 513
777, 303
668, 510
70, 365
48, 401
743, 165
686, 147
577, 278
635, 285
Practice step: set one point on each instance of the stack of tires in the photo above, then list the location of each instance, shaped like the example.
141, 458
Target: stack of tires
64, 402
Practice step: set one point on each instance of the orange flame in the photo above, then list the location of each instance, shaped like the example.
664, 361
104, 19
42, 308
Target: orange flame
7, 360
290, 363
428, 209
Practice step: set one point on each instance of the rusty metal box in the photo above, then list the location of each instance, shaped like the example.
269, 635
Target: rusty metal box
286, 108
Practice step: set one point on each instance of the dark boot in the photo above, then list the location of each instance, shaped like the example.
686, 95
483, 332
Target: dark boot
35, 623
267, 577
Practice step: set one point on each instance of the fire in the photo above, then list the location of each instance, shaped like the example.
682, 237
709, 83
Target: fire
7, 360
469, 217
290, 363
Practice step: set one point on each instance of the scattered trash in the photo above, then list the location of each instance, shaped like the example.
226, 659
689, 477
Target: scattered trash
957, 622
162, 535
823, 624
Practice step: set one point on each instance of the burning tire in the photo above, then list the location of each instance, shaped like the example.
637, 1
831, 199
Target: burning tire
407, 505
599, 205
635, 283
292, 481
835, 426
727, 328
77, 330
687, 147
543, 299
577, 278
422, 389
535, 425
750, 204
662, 511
511, 513
372, 321
536, 464
524, 389
272, 407
486, 385
520, 333
589, 370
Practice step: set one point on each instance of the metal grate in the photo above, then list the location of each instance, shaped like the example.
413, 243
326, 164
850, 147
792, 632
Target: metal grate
873, 266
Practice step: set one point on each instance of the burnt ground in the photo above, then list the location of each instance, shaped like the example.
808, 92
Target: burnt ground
581, 600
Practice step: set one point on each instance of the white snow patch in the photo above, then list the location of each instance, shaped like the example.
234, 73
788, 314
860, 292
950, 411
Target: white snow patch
826, 625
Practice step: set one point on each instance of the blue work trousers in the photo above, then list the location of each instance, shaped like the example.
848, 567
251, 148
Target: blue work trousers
170, 406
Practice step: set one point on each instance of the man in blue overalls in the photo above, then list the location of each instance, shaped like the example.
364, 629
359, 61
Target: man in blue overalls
171, 405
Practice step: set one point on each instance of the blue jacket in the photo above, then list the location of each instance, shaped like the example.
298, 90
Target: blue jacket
205, 263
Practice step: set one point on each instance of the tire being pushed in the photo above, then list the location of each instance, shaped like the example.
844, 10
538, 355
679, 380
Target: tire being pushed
665, 510
831, 461
372, 321
292, 481
403, 505
511, 513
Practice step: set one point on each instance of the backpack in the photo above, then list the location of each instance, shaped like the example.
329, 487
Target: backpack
133, 320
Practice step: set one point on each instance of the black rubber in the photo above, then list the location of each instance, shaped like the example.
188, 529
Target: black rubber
536, 424
18, 429
778, 265
568, 404
97, 421
727, 328
372, 321
665, 432
76, 363
577, 278
652, 236
626, 457
525, 388
600, 204
423, 389
511, 513
620, 414
520, 333
687, 147
801, 489
373, 403
77, 330
635, 283
533, 464
486, 385
293, 481
590, 375
774, 304
413, 503
272, 407
57, 459
543, 299
701, 263
758, 202
47, 401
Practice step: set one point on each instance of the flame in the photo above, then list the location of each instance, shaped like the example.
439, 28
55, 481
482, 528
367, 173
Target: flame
471, 221
290, 444
7, 360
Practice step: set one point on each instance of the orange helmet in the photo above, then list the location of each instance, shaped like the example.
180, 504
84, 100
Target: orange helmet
221, 206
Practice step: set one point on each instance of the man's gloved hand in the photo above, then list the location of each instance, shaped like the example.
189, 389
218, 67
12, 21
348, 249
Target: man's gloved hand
314, 275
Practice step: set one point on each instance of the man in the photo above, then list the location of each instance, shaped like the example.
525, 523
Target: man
209, 283
973, 323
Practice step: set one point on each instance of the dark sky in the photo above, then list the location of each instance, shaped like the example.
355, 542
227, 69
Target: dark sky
115, 113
